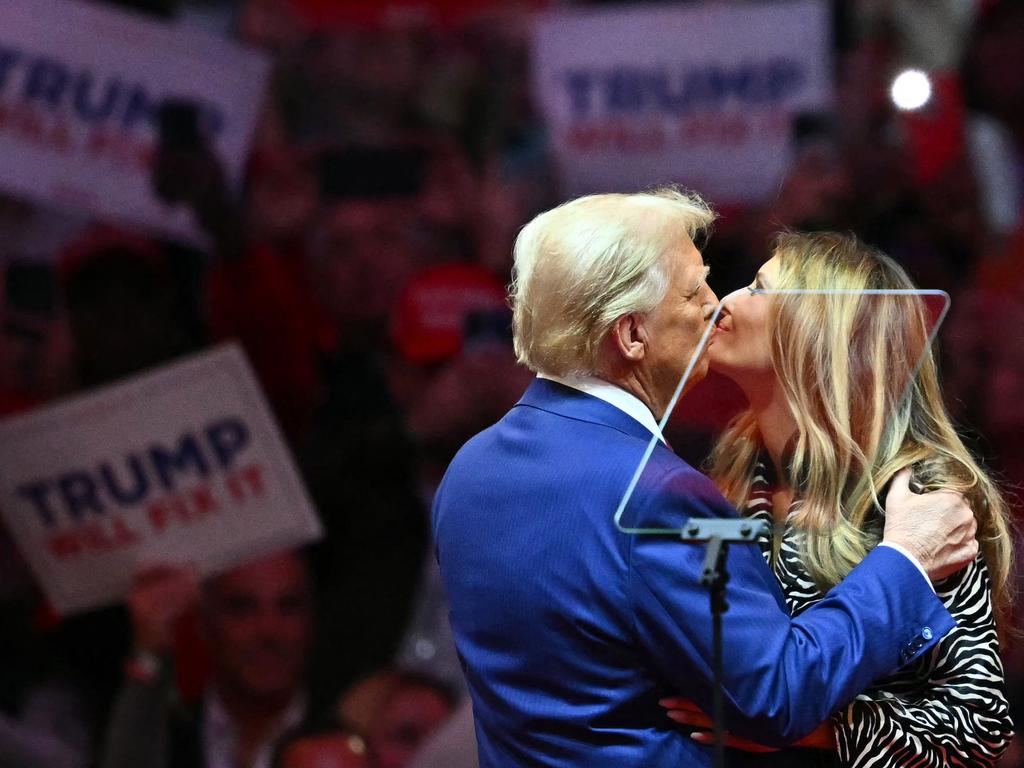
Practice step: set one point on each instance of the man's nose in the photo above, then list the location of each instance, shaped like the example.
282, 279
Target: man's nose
710, 301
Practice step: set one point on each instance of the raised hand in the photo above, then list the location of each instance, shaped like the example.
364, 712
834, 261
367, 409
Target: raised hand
159, 596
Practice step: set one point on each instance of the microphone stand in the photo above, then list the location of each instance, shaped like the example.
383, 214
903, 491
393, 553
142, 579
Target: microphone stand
718, 534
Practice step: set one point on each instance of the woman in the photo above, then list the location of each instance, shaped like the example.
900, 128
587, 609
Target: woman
830, 421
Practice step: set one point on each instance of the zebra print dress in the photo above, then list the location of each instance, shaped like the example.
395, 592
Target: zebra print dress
948, 708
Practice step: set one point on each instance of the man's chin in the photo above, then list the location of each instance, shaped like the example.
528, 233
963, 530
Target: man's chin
269, 687
697, 375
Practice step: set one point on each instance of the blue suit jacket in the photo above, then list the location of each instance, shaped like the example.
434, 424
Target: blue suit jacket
570, 631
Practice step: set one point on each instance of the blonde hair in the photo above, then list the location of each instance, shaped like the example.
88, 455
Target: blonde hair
845, 363
584, 264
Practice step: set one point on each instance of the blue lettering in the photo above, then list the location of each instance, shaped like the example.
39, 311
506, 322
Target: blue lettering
580, 89
785, 77
136, 477
211, 120
632, 91
139, 487
140, 108
79, 493
46, 82
187, 455
624, 90
51, 84
738, 83
8, 57
227, 438
90, 108
36, 493
694, 87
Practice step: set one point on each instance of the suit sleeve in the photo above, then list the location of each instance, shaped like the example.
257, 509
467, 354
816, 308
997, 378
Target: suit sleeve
783, 676
137, 734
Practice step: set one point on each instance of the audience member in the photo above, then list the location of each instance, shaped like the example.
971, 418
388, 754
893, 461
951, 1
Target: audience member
257, 621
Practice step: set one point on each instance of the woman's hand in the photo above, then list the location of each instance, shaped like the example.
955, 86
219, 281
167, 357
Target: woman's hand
687, 713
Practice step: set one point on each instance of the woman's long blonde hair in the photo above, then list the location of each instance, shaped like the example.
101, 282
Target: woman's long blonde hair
844, 362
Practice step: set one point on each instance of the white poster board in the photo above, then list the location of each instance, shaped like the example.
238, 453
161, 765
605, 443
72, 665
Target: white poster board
80, 85
698, 94
181, 465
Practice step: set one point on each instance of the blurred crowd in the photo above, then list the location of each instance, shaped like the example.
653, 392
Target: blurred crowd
363, 269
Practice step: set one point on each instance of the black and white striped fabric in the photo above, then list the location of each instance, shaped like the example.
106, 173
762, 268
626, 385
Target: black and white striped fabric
948, 708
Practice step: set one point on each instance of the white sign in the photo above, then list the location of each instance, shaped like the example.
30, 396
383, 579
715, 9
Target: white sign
181, 465
80, 85
701, 95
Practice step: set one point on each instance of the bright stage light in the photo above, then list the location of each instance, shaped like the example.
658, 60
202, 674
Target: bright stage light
911, 89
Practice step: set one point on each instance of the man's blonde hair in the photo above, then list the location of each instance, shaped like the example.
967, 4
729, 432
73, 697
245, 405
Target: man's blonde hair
584, 264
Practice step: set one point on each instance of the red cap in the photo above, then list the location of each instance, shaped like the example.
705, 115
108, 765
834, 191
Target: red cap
431, 311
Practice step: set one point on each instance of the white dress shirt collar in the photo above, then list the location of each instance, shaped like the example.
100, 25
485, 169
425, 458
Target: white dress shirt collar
625, 401
220, 734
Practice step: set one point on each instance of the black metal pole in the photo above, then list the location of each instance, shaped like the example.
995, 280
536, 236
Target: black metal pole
718, 532
717, 701
715, 577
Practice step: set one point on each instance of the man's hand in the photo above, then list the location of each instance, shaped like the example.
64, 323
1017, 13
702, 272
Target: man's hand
158, 597
687, 713
937, 527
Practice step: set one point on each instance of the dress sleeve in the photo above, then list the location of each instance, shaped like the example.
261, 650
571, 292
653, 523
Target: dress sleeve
948, 708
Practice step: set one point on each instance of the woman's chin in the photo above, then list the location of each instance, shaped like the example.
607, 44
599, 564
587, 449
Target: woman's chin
721, 367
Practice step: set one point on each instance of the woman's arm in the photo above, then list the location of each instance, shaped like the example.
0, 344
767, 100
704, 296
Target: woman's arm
949, 708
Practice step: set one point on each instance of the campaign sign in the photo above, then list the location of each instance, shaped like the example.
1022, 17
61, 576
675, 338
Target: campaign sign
80, 87
701, 94
181, 465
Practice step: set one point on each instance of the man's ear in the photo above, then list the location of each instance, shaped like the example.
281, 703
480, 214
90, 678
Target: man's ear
629, 338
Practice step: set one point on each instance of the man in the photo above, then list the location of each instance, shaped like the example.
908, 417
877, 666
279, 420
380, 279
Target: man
258, 625
570, 630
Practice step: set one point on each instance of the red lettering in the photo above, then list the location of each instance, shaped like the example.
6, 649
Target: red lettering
179, 508
246, 482
60, 137
158, 515
29, 125
618, 137
192, 505
234, 484
774, 124
92, 538
253, 476
98, 143
586, 137
100, 537
120, 149
723, 130
123, 536
65, 545
202, 501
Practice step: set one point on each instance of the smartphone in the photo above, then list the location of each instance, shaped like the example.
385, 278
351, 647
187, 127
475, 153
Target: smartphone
814, 131
30, 288
178, 126
372, 173
486, 327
